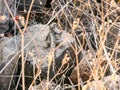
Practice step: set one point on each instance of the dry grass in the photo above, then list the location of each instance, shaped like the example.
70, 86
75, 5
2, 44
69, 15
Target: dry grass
98, 41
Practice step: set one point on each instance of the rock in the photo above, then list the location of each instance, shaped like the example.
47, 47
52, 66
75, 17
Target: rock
107, 83
112, 40
36, 51
26, 4
84, 66
4, 10
43, 86
9, 49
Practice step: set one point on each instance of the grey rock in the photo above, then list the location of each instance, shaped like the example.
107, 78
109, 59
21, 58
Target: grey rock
35, 48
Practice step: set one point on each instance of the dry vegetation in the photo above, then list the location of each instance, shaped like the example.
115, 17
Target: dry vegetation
94, 25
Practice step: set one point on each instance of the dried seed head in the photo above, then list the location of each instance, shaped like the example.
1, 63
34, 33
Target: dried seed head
65, 59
